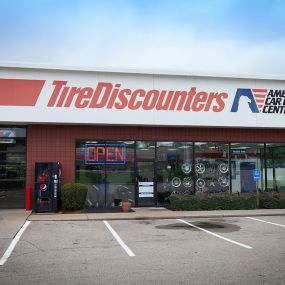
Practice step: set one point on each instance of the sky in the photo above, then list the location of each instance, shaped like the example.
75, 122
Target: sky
210, 36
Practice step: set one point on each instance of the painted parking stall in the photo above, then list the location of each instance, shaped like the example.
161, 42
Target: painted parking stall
119, 240
267, 222
13, 243
216, 235
165, 251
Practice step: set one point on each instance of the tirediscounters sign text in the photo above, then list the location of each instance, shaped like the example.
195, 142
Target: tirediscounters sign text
56, 96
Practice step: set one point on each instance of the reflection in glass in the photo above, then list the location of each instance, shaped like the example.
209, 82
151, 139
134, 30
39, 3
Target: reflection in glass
120, 179
211, 167
145, 171
145, 150
245, 158
12, 168
275, 163
169, 167
93, 176
108, 181
174, 169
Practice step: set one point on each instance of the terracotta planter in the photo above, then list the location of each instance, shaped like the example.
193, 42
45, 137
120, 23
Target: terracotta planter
126, 206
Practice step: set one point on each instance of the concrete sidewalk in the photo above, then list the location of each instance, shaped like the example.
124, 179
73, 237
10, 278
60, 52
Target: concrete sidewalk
10, 223
11, 220
153, 213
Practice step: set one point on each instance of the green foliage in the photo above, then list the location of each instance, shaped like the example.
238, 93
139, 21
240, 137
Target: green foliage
226, 202
272, 200
212, 202
73, 196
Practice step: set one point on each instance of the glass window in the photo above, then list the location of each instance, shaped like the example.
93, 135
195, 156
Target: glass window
145, 150
246, 157
211, 167
10, 157
275, 164
12, 145
145, 183
92, 175
174, 169
120, 178
13, 160
107, 168
12, 168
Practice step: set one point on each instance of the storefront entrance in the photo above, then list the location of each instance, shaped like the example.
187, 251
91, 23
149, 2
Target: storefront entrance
146, 183
108, 170
12, 167
147, 173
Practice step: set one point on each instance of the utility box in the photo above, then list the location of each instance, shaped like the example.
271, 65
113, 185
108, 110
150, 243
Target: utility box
47, 186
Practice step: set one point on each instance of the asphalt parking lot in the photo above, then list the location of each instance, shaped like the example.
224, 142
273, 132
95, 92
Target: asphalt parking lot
170, 251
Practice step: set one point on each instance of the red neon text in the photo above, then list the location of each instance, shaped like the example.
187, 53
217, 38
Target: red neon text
97, 154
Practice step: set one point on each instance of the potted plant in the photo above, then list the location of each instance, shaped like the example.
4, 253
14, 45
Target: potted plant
126, 206
125, 194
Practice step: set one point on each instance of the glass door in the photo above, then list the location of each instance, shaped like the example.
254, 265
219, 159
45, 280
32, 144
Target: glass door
107, 168
245, 157
146, 183
12, 168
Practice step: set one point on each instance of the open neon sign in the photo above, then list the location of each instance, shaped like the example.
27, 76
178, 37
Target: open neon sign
105, 154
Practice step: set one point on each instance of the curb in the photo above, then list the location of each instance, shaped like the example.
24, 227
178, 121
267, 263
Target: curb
33, 217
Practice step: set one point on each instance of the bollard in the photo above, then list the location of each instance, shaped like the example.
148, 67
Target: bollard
28, 198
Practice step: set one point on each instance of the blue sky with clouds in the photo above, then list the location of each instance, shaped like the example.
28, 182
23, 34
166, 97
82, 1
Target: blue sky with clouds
223, 36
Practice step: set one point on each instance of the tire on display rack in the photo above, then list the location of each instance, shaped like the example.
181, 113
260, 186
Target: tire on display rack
186, 167
223, 167
176, 182
200, 168
200, 183
223, 181
187, 182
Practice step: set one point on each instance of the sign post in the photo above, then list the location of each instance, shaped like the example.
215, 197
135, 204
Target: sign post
256, 177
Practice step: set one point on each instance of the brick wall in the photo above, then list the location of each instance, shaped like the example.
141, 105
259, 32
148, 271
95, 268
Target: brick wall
51, 143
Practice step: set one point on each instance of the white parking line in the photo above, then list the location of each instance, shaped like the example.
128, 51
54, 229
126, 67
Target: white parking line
275, 224
13, 243
119, 240
216, 235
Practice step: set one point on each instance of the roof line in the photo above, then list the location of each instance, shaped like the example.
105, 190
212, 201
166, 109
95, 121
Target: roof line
44, 66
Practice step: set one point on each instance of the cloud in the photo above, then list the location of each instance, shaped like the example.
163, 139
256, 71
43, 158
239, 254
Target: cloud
125, 40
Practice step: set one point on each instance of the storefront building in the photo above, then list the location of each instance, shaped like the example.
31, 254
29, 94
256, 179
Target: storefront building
140, 137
